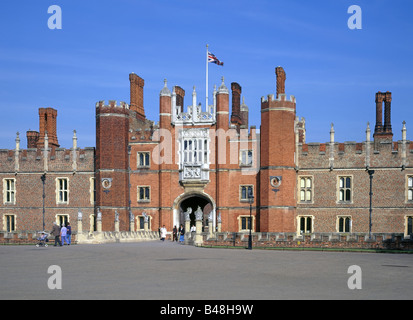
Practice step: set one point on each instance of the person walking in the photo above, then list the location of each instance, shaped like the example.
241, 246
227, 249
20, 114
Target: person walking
181, 233
175, 234
56, 233
63, 233
163, 233
69, 234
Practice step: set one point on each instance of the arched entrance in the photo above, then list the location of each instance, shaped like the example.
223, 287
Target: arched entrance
194, 200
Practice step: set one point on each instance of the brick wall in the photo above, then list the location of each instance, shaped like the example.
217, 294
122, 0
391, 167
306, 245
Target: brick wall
380, 241
389, 199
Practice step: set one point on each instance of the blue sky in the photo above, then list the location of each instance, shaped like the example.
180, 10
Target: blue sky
334, 72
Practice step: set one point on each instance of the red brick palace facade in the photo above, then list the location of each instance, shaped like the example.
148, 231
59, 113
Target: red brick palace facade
207, 161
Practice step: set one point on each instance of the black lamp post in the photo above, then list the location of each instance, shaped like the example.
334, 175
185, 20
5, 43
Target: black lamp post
251, 200
43, 178
129, 186
370, 172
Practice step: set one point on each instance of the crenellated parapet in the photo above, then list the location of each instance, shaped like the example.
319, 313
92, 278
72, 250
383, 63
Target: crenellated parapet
112, 107
42, 154
50, 160
281, 97
351, 154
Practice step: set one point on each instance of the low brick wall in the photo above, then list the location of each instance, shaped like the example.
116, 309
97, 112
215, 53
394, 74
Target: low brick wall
24, 237
382, 241
379, 241
30, 237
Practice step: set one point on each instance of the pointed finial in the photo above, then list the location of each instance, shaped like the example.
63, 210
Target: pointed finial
165, 91
404, 136
332, 133
368, 132
223, 88
17, 141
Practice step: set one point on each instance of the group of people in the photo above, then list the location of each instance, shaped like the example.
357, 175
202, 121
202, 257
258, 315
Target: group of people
64, 233
177, 234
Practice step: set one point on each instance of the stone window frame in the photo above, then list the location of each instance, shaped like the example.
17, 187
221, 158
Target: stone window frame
344, 225
5, 222
138, 193
339, 188
145, 165
58, 190
241, 199
7, 191
245, 216
194, 150
241, 156
311, 189
307, 216
138, 222
65, 220
409, 188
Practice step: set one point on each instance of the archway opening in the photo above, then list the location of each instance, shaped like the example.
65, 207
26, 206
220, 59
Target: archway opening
194, 202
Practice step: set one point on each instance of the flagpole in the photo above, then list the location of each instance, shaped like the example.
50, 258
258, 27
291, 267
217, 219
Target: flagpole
206, 102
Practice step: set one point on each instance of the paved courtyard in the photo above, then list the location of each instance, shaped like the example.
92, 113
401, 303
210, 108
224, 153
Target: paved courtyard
157, 271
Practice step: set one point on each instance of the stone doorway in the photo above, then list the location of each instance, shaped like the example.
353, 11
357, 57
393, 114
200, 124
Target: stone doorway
193, 201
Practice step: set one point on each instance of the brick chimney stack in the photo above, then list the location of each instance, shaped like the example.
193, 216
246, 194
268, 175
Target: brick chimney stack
281, 77
136, 95
236, 104
387, 113
383, 132
47, 123
180, 94
379, 113
32, 138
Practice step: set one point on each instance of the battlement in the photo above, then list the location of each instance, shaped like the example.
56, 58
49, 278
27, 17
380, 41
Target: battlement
281, 97
356, 147
112, 104
351, 154
42, 160
369, 153
243, 133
